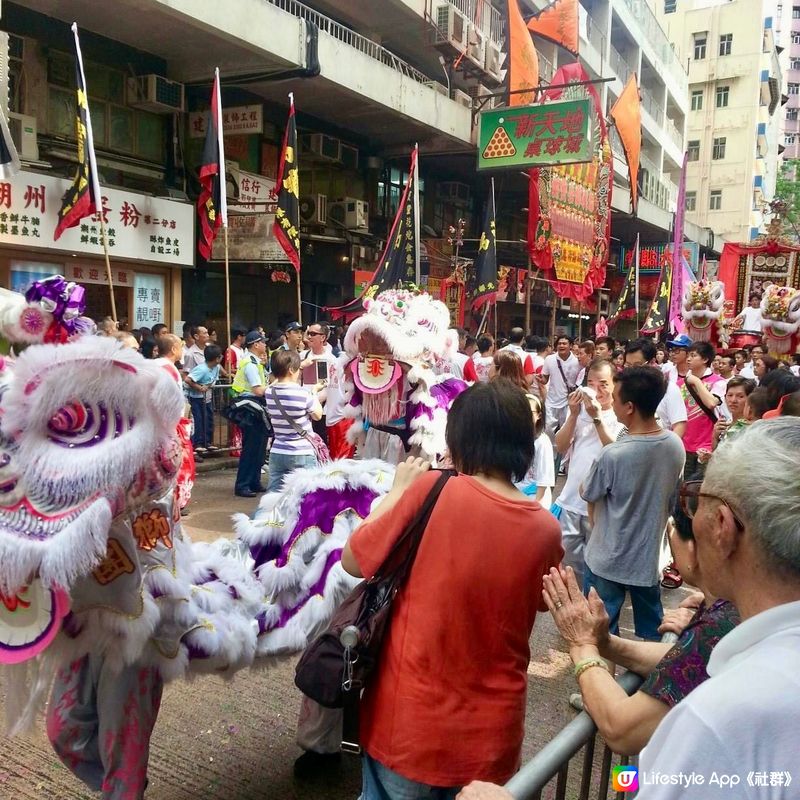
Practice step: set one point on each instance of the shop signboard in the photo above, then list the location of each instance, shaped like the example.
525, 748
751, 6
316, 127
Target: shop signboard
236, 121
148, 299
541, 135
249, 193
652, 257
251, 239
138, 226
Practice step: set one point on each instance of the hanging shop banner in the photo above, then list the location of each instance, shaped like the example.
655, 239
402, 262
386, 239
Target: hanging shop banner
540, 135
235, 121
249, 193
652, 257
570, 206
148, 299
138, 226
250, 238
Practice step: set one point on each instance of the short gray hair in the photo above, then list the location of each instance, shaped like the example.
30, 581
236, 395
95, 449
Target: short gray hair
758, 472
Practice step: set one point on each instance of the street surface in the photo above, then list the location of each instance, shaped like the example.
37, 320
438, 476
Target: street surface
234, 740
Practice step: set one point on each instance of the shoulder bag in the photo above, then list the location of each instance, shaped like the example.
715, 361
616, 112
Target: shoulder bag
336, 666
570, 387
314, 439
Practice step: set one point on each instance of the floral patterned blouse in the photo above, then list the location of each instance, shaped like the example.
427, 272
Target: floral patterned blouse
683, 668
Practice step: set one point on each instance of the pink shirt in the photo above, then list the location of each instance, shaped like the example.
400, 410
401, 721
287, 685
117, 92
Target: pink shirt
699, 426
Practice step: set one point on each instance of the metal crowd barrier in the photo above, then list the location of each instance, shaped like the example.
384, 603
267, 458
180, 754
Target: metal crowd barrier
222, 438
554, 759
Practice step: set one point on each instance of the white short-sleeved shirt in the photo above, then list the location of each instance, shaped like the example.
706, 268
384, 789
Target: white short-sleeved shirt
740, 722
586, 447
542, 470
751, 319
671, 410
556, 388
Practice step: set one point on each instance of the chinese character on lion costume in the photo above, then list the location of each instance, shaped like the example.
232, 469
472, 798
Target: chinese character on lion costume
103, 596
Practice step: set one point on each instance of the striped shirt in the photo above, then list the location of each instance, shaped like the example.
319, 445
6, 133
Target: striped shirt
297, 402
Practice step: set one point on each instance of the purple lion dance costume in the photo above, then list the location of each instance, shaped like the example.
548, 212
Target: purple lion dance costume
103, 597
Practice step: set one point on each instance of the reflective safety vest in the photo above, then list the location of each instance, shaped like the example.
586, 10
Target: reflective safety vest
240, 383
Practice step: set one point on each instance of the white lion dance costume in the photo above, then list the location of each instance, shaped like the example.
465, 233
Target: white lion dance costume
395, 382
702, 309
780, 317
103, 597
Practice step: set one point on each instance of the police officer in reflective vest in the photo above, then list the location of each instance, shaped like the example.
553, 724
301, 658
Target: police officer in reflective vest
250, 381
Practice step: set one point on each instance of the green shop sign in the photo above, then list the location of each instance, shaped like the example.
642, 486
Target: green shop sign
546, 135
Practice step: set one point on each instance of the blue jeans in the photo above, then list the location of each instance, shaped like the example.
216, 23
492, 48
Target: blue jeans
646, 602
203, 418
280, 465
378, 782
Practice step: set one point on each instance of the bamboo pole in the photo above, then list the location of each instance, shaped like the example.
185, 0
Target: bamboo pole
108, 267
299, 299
528, 287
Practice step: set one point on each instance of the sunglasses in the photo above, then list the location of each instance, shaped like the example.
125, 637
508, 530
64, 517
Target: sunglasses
314, 333
690, 494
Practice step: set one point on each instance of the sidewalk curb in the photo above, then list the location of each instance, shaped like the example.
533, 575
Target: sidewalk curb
215, 464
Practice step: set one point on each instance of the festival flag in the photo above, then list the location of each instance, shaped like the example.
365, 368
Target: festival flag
628, 304
9, 158
678, 272
523, 60
558, 23
659, 309
627, 116
486, 260
83, 197
212, 205
287, 214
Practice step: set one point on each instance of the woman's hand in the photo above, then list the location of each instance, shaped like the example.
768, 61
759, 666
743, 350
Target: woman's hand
675, 620
479, 790
409, 471
580, 620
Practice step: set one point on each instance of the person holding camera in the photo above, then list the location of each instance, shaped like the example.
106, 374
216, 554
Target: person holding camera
590, 425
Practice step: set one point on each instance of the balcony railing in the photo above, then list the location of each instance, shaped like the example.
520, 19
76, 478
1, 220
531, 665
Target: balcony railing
484, 16
655, 35
674, 133
619, 64
351, 38
657, 187
652, 106
596, 35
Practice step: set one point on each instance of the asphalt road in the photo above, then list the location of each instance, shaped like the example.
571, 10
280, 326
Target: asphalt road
234, 740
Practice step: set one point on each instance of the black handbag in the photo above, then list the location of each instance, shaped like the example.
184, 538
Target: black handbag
335, 667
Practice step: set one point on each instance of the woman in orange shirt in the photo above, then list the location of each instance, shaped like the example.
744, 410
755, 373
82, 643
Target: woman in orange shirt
446, 704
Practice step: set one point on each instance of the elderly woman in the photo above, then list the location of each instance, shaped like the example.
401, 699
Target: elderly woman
626, 723
447, 702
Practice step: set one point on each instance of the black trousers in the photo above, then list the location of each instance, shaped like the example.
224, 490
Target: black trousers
254, 451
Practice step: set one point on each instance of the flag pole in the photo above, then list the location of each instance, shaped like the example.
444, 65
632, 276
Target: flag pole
228, 302
528, 288
636, 282
415, 178
108, 266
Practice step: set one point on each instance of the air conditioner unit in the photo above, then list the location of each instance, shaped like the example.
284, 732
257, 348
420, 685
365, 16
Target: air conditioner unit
462, 98
324, 147
23, 132
349, 213
476, 47
314, 209
494, 62
479, 92
564, 304
155, 93
348, 155
437, 87
451, 29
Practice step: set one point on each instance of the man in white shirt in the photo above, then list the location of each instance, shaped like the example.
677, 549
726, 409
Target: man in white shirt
515, 346
560, 375
671, 413
590, 425
742, 722
750, 318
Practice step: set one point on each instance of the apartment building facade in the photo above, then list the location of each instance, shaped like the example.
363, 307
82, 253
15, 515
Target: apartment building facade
735, 123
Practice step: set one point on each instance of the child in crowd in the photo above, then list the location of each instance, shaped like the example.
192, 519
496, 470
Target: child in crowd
200, 382
540, 478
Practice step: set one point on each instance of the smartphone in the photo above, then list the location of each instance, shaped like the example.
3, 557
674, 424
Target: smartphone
322, 370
